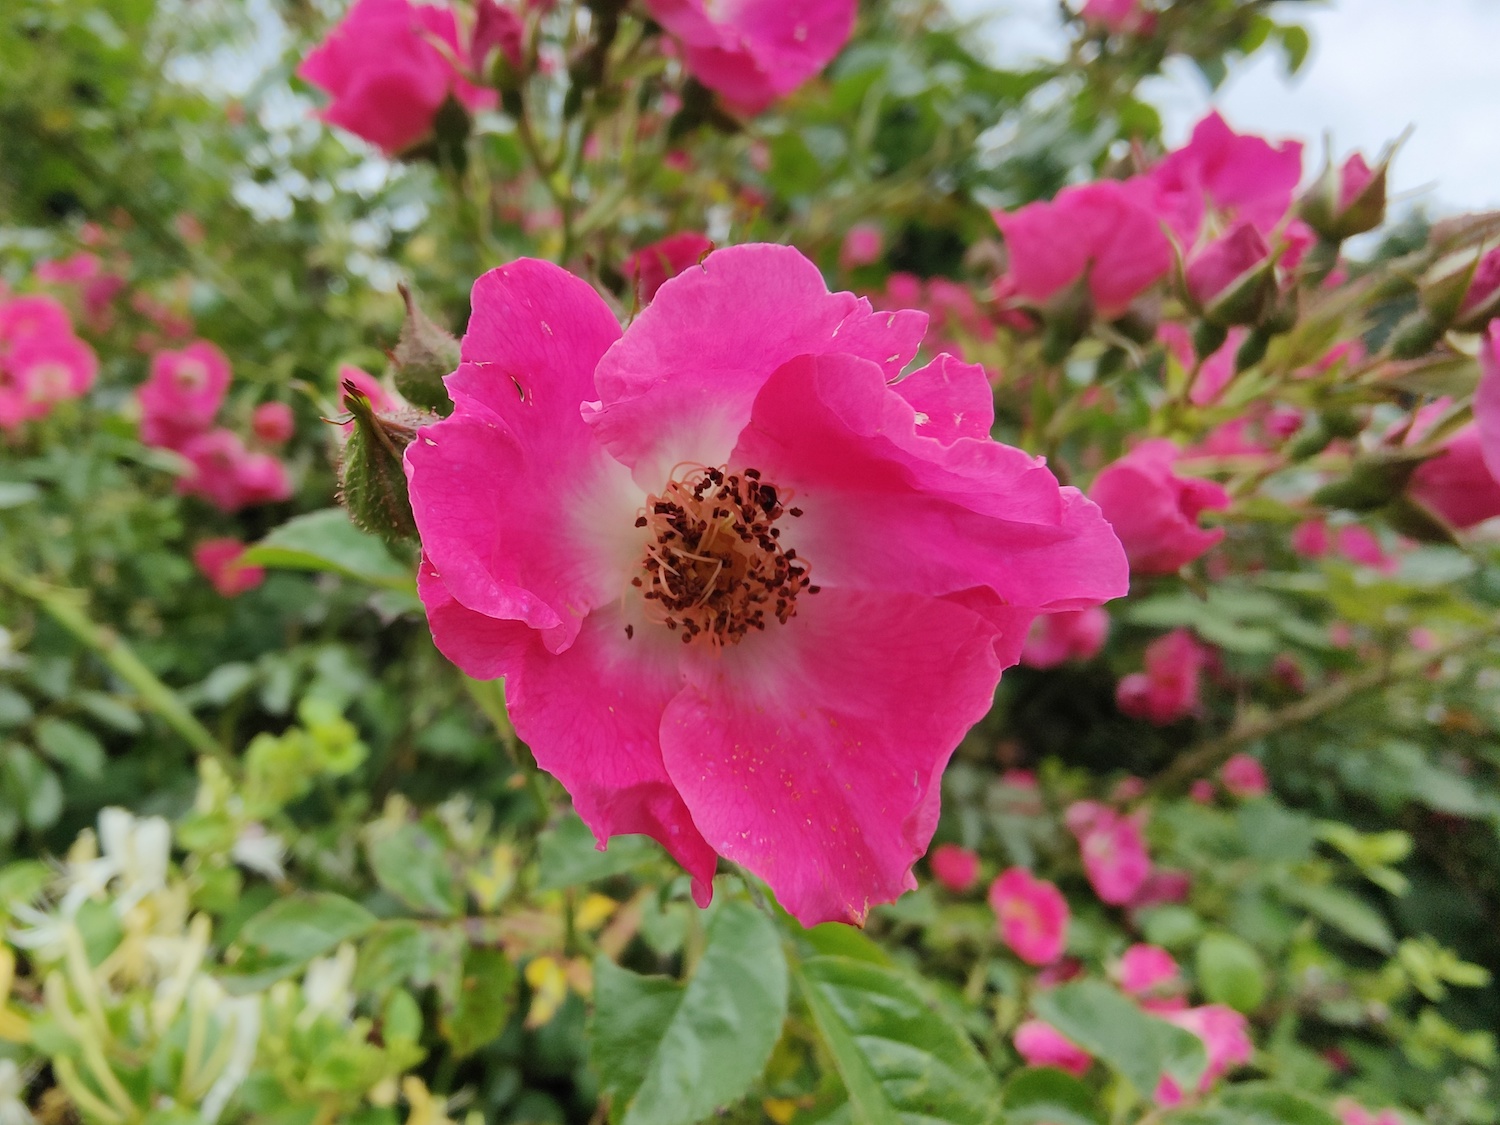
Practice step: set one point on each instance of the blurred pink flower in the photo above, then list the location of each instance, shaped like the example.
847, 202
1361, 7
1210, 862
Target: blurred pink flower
1032, 916
651, 266
755, 51
1114, 851
862, 246
1117, 16
1351, 1112
954, 867
1458, 483
1244, 776
218, 560
1240, 177
387, 73
1487, 400
780, 683
1168, 688
1226, 1038
1202, 791
1146, 968
273, 423
1041, 1044
182, 395
1100, 231
1154, 511
52, 369
1057, 638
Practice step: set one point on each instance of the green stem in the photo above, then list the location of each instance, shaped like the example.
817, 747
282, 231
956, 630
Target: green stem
66, 608
1207, 756
489, 696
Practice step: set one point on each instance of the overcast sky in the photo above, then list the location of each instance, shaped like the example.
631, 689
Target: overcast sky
1377, 66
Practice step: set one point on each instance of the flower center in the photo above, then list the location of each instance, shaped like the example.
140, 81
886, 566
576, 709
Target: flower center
714, 566
191, 375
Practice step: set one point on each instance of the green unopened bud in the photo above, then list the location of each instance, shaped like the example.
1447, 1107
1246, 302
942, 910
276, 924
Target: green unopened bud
1445, 287
1415, 521
373, 479
1415, 335
1249, 300
1208, 338
1252, 351
423, 355
1372, 483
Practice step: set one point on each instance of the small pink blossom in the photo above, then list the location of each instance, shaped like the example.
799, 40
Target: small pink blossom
31, 318
559, 508
1217, 370
1019, 779
1351, 1112
1101, 231
1145, 969
218, 560
1154, 511
261, 479
52, 369
1202, 792
1458, 484
1478, 301
388, 67
1225, 1035
182, 395
1213, 270
1240, 177
215, 457
1127, 789
1311, 540
650, 267
1162, 888
1487, 400
1360, 545
1041, 1044
954, 867
1057, 638
1117, 16
273, 423
1244, 777
1113, 848
86, 274
496, 28
1167, 690
1032, 916
756, 51
862, 246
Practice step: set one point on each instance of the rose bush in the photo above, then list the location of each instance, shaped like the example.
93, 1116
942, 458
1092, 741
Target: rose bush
669, 561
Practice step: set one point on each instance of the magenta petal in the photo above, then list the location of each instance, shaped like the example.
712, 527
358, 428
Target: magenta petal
592, 716
484, 647
554, 541
1487, 400
952, 399
887, 509
812, 755
678, 387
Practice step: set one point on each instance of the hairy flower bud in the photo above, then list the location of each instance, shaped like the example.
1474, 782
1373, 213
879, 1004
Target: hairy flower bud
423, 355
373, 478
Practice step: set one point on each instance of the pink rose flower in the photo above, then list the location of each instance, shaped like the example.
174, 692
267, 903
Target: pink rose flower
1480, 304
496, 28
1457, 484
1359, 545
863, 244
1154, 511
1102, 230
52, 369
651, 266
1162, 888
1202, 792
215, 457
747, 590
753, 52
1145, 969
1311, 540
1117, 16
954, 867
31, 318
1487, 400
1041, 1044
273, 423
1352, 1113
1240, 177
182, 395
1071, 635
1244, 776
387, 74
218, 560
261, 479
1113, 849
1032, 916
1168, 688
1225, 1035
1215, 373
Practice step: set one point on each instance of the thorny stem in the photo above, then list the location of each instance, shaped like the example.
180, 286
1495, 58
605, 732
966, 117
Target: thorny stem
66, 608
1209, 755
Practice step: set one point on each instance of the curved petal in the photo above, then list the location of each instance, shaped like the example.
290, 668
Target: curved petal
485, 648
592, 716
678, 386
523, 515
952, 399
811, 754
888, 509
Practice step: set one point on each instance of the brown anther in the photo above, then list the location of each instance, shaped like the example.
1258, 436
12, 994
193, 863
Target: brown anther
713, 562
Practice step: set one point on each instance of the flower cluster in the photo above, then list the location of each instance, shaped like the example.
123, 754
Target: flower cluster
42, 361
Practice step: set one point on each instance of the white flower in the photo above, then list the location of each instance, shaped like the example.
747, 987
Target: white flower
13, 1109
260, 851
136, 852
242, 1013
327, 987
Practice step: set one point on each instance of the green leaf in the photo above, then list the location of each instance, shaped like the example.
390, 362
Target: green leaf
1296, 43
569, 857
1231, 972
1345, 912
900, 1059
292, 931
673, 1054
15, 493
15, 709
1044, 1096
1257, 1103
33, 788
413, 866
486, 998
403, 951
70, 746
1111, 1027
327, 541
